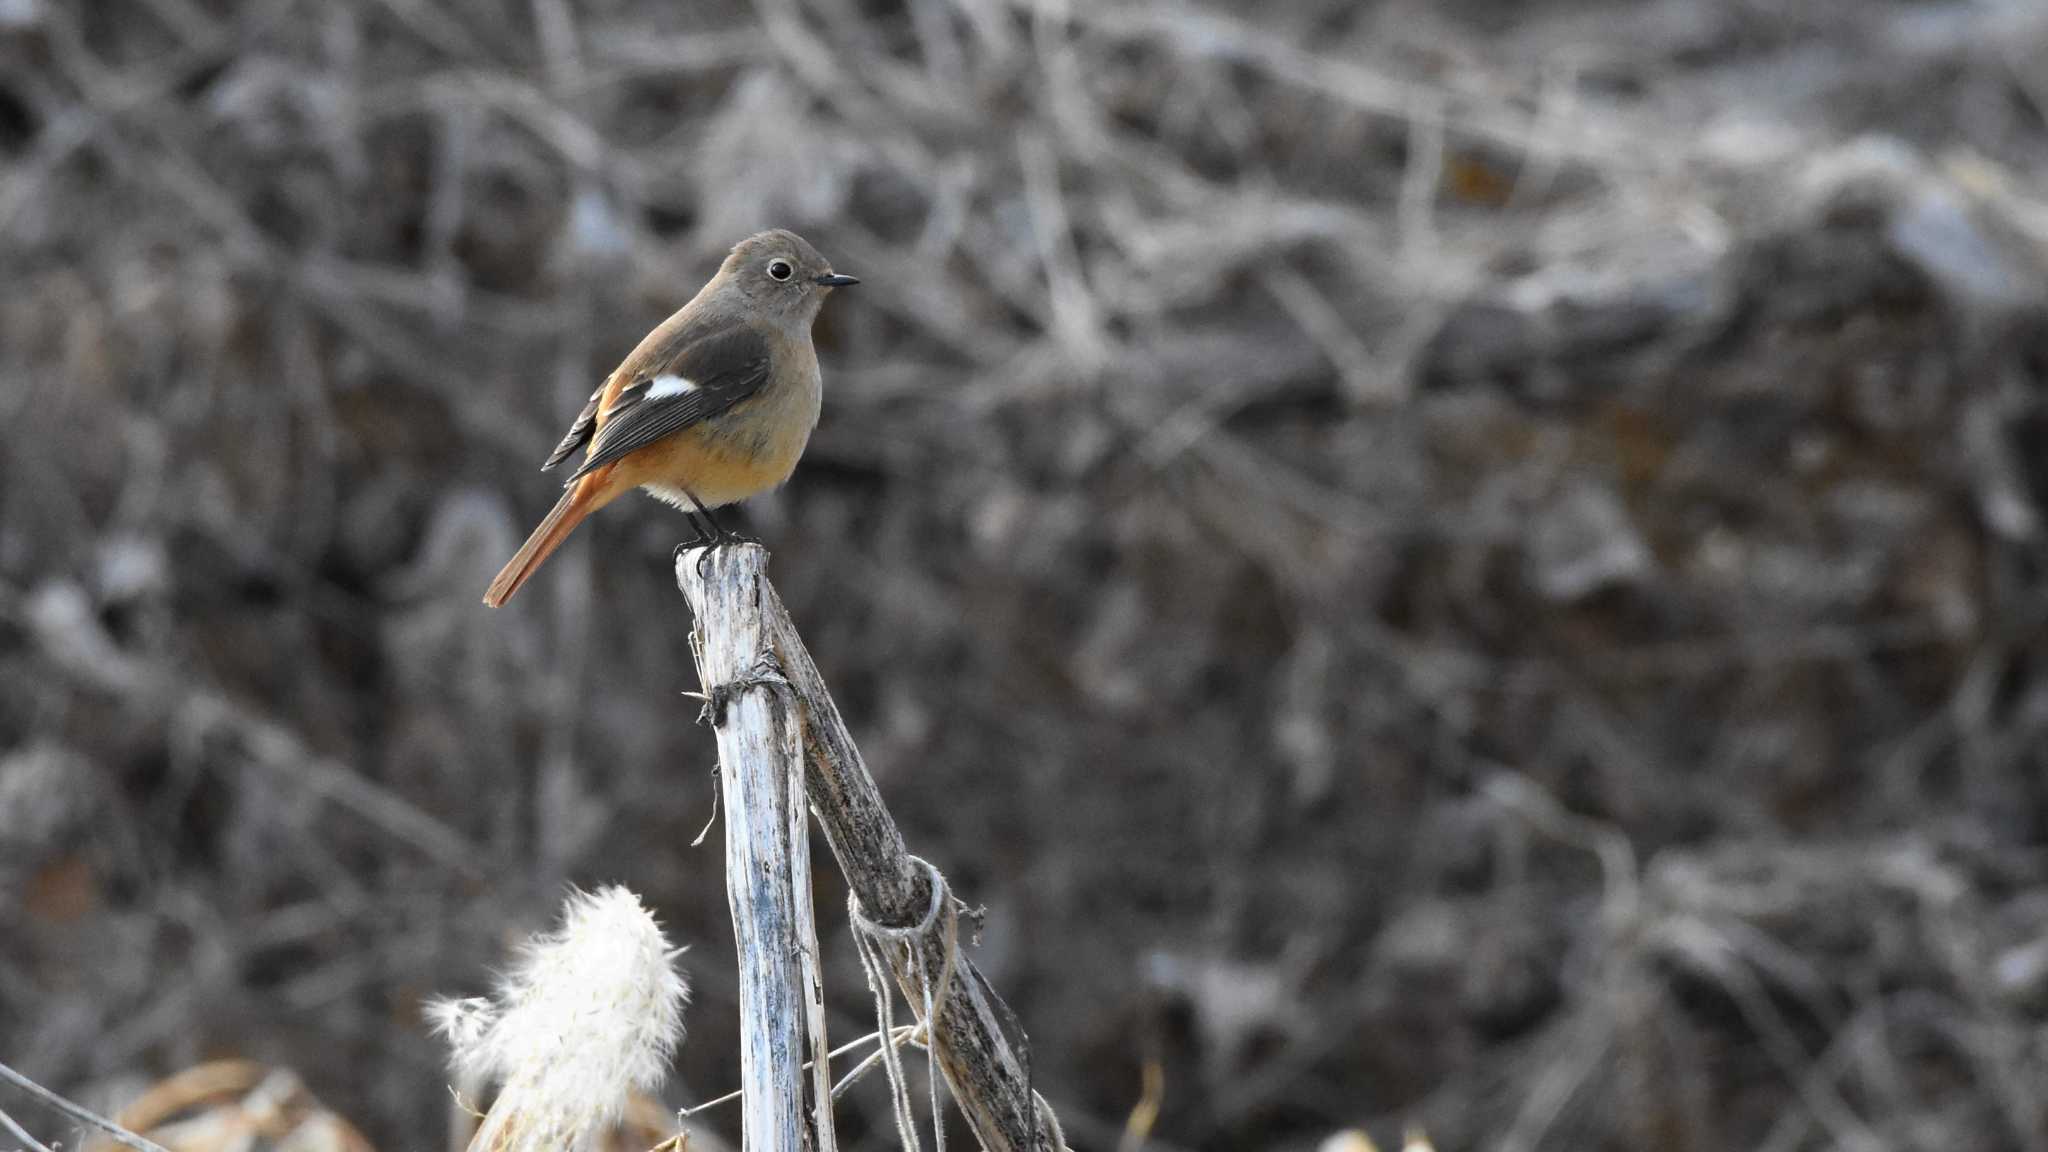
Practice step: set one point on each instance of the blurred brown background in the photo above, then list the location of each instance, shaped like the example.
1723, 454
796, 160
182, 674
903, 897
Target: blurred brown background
1471, 563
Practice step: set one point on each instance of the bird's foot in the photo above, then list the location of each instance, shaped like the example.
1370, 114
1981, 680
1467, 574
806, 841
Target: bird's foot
717, 540
702, 539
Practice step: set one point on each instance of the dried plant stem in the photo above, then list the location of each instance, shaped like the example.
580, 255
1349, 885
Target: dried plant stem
78, 1112
19, 1133
905, 1034
757, 749
756, 671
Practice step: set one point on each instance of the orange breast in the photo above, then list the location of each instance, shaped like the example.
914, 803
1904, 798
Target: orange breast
738, 454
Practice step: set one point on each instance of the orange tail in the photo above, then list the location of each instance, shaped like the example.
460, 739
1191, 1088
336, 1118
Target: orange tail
578, 502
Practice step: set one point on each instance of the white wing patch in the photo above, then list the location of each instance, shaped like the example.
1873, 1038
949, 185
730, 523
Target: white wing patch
666, 387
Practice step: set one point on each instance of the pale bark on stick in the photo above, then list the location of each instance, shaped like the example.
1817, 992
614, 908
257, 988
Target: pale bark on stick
984, 1069
757, 744
823, 1128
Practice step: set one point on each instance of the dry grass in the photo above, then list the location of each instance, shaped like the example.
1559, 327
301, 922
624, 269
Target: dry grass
1471, 564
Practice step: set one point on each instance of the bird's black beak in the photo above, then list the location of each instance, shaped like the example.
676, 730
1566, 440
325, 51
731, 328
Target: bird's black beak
835, 280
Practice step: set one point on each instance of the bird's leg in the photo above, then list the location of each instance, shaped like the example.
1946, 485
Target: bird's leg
697, 540
714, 534
707, 537
720, 536
716, 537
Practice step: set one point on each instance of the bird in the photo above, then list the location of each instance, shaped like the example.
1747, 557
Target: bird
713, 406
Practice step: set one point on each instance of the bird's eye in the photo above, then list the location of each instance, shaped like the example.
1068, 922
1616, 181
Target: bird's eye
780, 269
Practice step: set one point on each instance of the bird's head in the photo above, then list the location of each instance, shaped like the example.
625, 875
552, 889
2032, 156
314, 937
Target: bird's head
779, 274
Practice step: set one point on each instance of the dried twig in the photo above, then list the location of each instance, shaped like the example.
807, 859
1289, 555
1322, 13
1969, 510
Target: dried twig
19, 1133
758, 751
79, 1112
742, 622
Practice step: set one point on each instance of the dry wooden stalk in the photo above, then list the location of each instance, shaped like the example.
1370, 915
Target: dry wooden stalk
740, 617
757, 742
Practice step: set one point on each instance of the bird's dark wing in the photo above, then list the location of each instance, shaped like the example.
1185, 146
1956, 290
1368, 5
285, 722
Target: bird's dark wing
706, 374
579, 432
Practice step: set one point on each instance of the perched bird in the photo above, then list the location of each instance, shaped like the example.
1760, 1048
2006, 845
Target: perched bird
714, 406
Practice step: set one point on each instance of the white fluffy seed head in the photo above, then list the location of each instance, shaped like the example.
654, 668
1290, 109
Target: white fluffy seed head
464, 1024
590, 1012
